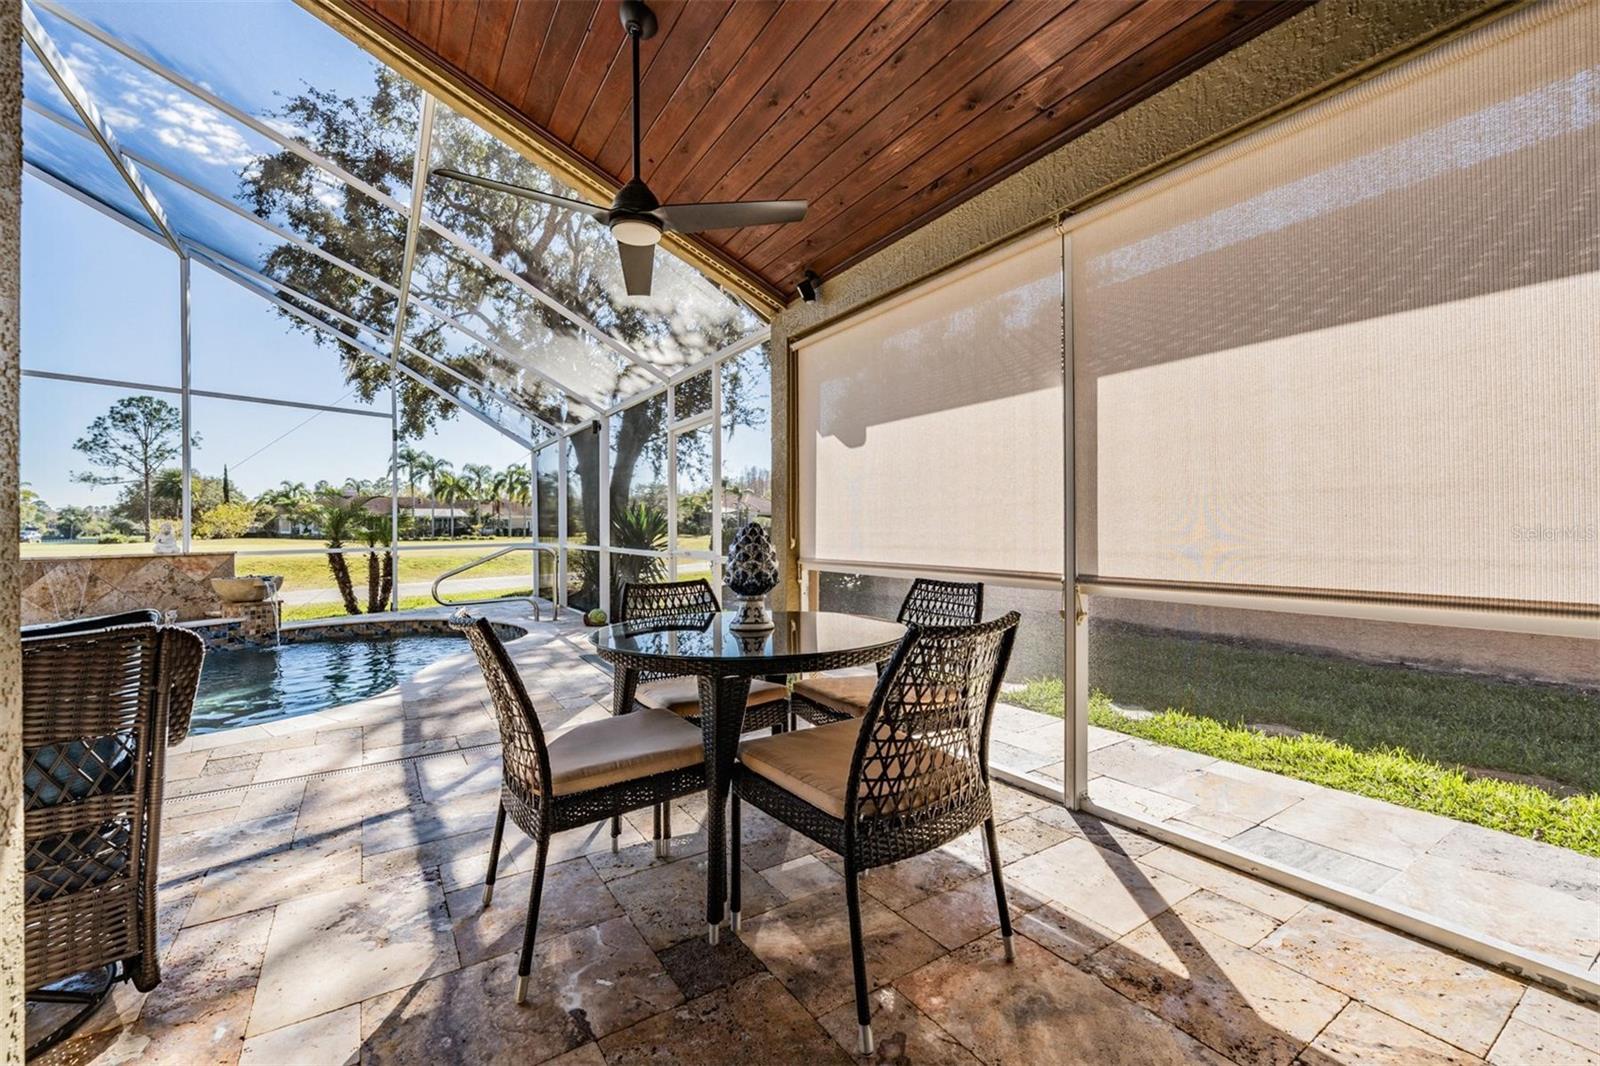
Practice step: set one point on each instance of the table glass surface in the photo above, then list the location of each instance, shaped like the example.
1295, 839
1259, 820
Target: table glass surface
709, 636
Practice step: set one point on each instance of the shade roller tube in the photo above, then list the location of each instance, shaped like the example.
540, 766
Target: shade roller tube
1360, 350
929, 427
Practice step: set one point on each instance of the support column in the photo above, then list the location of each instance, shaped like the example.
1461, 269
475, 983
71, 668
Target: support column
12, 1011
186, 516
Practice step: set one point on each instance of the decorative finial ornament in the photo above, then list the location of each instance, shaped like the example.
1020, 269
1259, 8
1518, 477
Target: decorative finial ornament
751, 574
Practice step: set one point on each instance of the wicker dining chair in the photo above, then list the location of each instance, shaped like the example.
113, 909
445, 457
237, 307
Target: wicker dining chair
766, 707
824, 698
101, 701
907, 777
768, 704
592, 771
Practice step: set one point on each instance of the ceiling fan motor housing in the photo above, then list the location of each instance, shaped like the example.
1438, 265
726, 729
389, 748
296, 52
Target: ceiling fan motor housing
638, 18
631, 219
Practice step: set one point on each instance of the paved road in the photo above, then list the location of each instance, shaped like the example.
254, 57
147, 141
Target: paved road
456, 586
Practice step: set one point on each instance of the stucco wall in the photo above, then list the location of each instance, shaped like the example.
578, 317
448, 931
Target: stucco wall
1328, 42
12, 1023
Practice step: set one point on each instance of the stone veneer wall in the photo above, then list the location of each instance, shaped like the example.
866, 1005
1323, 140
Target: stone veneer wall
1325, 44
58, 589
12, 1021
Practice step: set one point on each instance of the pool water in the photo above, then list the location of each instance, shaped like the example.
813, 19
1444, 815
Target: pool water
251, 685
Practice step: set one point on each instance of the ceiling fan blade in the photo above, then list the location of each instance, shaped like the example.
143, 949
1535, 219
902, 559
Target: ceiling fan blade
693, 218
594, 210
637, 262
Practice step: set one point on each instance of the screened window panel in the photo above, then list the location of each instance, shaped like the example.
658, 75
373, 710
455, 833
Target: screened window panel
64, 151
72, 255
547, 490
1357, 351
929, 430
257, 57
685, 318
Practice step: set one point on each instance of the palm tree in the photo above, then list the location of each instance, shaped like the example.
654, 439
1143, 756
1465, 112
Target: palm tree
374, 529
439, 476
477, 478
339, 518
291, 499
449, 488
412, 460
515, 485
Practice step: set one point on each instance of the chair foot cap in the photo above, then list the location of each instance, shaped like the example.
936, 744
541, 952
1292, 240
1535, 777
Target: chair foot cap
1011, 949
865, 1045
488, 894
616, 845
713, 933
663, 850
733, 921
522, 989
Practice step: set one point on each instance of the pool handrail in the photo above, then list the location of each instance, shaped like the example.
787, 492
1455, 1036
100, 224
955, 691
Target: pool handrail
533, 598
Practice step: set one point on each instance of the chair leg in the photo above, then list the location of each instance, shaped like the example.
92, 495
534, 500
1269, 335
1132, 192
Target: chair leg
525, 961
655, 813
733, 861
494, 854
999, 888
858, 960
666, 829
616, 833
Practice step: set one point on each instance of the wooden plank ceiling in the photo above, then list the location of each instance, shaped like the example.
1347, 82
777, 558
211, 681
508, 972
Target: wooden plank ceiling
882, 114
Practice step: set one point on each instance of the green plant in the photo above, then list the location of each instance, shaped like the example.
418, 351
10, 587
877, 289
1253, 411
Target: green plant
375, 531
339, 519
133, 440
226, 520
644, 528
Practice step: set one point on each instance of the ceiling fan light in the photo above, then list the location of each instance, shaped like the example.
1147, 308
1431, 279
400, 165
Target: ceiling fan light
636, 231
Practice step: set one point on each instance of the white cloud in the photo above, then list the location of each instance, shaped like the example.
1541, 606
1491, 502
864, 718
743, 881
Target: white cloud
137, 101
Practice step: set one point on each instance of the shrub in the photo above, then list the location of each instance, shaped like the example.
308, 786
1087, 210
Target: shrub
231, 519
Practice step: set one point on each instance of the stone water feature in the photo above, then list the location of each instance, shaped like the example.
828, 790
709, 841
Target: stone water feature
253, 599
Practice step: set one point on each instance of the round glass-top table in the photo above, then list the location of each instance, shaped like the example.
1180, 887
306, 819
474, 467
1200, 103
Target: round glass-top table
725, 660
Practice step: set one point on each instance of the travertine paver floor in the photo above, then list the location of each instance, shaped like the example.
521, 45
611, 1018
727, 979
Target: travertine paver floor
1541, 898
320, 902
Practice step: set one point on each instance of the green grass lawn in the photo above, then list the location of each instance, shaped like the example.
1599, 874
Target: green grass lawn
1408, 736
307, 612
311, 571
1479, 722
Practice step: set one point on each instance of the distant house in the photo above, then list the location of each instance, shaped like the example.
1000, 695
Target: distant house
431, 517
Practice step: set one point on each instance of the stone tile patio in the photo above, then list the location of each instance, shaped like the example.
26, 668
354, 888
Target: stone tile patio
1541, 898
320, 902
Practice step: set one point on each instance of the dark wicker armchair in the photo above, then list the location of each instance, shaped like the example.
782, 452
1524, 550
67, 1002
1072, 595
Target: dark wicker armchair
827, 698
766, 707
910, 775
101, 700
590, 772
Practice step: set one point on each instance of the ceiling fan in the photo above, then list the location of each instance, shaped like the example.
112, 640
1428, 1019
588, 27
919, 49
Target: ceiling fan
636, 218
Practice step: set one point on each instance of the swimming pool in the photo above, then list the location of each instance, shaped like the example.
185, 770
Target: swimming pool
251, 685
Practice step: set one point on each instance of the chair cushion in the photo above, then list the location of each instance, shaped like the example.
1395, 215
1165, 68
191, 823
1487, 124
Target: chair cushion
813, 764
681, 695
629, 746
841, 693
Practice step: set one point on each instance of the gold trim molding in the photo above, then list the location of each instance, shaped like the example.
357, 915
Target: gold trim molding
539, 147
